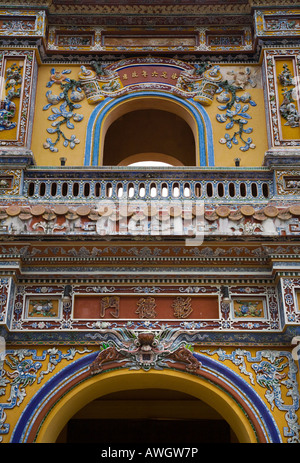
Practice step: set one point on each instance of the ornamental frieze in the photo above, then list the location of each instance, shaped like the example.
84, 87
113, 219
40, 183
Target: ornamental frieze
188, 220
90, 308
161, 74
113, 40
30, 23
277, 22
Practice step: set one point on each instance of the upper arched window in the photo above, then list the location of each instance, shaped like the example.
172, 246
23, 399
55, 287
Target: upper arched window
144, 126
149, 135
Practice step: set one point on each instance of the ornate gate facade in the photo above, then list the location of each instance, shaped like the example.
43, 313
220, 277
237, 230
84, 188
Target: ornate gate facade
181, 275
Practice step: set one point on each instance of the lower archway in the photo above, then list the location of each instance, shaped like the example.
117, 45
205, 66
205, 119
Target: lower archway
74, 387
157, 416
124, 380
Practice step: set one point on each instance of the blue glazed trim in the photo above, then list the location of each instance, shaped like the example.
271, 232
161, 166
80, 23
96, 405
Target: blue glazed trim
210, 161
205, 138
33, 406
98, 111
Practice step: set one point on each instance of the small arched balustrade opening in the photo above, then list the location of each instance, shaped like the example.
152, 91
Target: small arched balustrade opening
149, 135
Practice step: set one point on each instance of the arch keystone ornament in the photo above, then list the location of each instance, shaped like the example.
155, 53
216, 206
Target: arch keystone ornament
145, 350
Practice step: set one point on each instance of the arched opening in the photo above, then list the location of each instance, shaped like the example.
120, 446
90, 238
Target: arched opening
149, 135
75, 388
108, 123
154, 415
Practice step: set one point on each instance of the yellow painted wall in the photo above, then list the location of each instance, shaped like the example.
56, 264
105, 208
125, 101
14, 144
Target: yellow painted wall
44, 157
253, 157
75, 157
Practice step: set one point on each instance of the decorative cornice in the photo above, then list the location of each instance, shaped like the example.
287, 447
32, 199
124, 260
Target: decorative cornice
155, 10
221, 338
273, 3
141, 14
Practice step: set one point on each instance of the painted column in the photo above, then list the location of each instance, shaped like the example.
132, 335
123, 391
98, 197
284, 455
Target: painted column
281, 67
18, 76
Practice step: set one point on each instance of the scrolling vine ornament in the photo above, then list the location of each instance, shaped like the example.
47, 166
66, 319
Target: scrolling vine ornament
64, 115
236, 115
22, 368
276, 372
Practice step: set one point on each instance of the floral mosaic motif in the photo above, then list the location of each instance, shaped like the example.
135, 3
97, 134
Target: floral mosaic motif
24, 107
22, 368
65, 115
17, 25
13, 82
283, 24
276, 372
7, 112
43, 308
288, 109
248, 308
236, 114
271, 58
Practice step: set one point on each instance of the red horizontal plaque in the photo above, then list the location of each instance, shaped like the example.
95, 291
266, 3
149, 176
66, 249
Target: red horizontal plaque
132, 75
100, 307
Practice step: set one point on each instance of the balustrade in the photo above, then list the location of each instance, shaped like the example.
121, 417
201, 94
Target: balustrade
116, 188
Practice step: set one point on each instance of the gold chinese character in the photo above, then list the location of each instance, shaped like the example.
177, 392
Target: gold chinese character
144, 73
110, 302
182, 307
154, 74
164, 75
146, 307
174, 76
125, 77
134, 74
